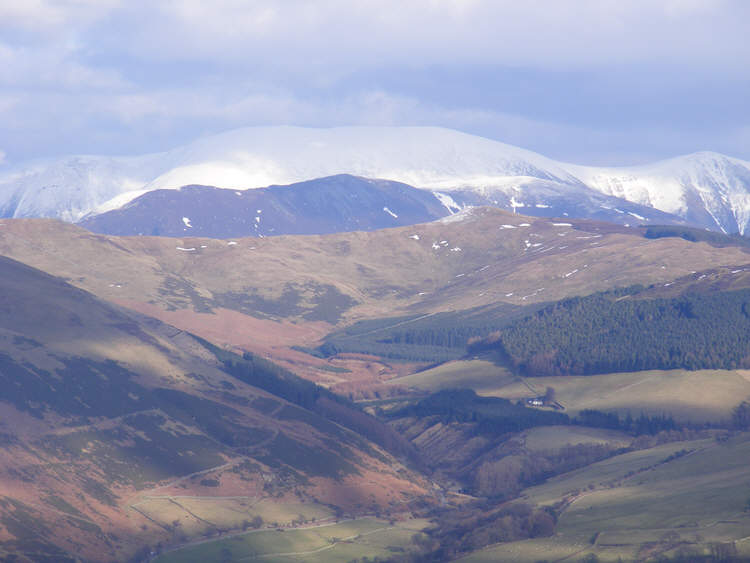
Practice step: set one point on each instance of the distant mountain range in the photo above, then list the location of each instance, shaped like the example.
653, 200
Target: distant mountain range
706, 189
341, 203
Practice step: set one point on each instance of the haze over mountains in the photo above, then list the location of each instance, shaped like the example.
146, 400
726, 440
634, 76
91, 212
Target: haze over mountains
705, 189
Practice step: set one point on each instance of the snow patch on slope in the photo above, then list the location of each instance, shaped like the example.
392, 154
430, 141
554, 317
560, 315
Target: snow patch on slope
448, 202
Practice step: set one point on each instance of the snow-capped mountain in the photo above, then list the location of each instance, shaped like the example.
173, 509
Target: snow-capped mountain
706, 189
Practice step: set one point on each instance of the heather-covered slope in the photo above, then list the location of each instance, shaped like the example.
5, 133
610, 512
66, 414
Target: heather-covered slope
111, 423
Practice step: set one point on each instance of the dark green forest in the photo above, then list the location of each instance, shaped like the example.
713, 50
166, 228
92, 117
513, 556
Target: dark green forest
616, 331
421, 338
693, 234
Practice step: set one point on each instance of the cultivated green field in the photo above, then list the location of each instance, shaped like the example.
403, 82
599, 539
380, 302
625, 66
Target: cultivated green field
697, 396
683, 495
333, 543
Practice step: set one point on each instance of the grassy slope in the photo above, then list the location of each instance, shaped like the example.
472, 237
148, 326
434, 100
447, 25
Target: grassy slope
384, 271
699, 496
696, 396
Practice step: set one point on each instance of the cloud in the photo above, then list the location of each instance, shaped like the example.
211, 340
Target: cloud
600, 77
571, 34
44, 16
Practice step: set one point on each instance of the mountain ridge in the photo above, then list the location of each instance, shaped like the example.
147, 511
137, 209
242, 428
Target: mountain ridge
708, 189
340, 203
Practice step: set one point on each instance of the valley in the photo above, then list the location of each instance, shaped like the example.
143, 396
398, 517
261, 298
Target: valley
374, 282
355, 394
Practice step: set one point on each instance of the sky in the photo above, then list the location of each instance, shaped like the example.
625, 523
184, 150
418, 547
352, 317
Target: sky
585, 81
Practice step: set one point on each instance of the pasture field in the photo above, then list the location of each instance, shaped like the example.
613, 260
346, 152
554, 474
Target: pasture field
682, 495
479, 375
197, 515
547, 438
695, 396
342, 542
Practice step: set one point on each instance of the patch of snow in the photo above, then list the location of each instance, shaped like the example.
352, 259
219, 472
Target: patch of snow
524, 225
231, 243
508, 295
257, 219
186, 221
448, 202
507, 226
191, 249
415, 237
435, 246
238, 193
562, 224
456, 249
542, 206
571, 273
639, 217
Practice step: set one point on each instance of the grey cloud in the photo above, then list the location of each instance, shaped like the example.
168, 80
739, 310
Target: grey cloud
583, 80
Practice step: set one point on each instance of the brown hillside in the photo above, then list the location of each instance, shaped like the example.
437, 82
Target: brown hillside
265, 294
112, 424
